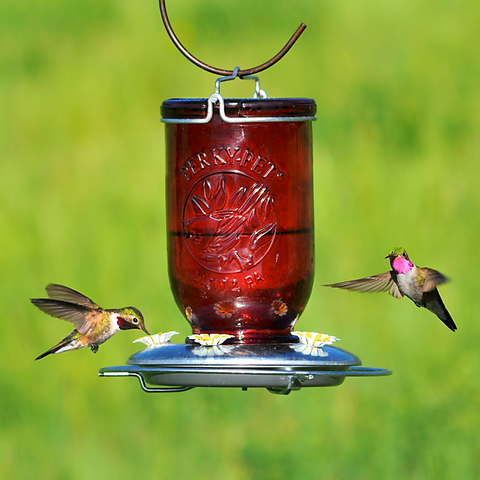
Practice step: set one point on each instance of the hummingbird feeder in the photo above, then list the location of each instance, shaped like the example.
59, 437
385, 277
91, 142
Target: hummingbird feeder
240, 226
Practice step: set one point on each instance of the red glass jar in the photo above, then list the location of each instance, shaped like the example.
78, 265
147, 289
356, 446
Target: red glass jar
240, 214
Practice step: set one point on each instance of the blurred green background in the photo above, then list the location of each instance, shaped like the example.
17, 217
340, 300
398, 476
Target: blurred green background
397, 163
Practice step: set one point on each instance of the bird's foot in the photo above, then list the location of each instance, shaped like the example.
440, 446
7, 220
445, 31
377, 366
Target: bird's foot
94, 348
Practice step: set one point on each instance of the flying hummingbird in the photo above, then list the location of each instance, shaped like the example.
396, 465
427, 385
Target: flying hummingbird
93, 324
405, 278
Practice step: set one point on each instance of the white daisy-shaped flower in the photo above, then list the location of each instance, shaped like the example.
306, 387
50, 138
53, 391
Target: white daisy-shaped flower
314, 339
156, 339
210, 339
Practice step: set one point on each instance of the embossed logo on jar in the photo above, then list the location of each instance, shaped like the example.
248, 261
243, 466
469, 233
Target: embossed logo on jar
229, 222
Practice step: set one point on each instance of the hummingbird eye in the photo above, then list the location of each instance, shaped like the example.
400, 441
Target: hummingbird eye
135, 320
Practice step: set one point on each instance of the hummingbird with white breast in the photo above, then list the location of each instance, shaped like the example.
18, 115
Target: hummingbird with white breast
406, 279
93, 324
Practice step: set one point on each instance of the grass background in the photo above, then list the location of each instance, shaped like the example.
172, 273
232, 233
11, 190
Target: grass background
397, 163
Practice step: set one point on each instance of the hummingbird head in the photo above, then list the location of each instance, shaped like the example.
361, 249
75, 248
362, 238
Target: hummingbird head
397, 252
129, 318
399, 260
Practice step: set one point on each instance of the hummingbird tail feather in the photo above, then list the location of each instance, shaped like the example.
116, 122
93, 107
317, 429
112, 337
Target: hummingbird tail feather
449, 322
447, 319
68, 341
434, 303
48, 352
54, 349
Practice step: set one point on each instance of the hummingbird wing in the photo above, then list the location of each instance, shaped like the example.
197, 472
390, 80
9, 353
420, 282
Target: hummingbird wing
81, 316
432, 278
66, 294
376, 283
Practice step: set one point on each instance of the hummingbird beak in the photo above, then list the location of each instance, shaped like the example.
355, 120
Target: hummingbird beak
391, 255
145, 330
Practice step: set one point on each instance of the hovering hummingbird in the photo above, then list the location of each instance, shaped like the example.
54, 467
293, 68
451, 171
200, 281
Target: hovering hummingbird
93, 324
405, 278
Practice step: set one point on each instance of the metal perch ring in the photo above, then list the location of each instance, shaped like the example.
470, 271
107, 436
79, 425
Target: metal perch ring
219, 71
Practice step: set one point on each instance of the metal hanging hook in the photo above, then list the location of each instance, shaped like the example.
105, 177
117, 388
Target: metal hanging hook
219, 71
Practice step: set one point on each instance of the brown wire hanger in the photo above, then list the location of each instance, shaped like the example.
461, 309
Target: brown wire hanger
219, 71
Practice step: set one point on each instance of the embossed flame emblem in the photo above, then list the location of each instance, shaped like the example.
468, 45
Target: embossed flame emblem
229, 222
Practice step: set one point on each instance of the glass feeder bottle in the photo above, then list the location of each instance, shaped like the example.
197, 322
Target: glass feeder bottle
239, 201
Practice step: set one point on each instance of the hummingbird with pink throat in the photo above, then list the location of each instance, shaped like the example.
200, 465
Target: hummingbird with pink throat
93, 324
406, 279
